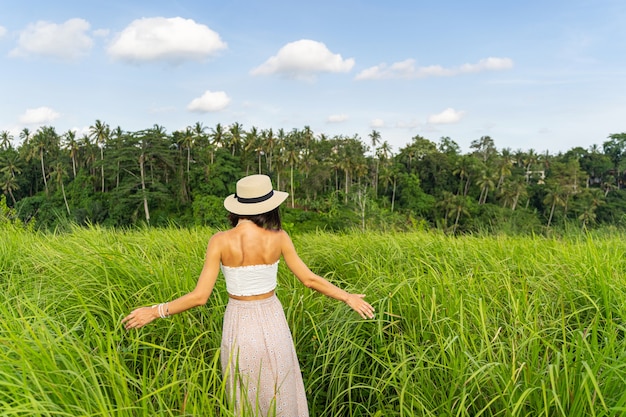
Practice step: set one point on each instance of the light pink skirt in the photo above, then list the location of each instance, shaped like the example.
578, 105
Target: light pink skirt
259, 360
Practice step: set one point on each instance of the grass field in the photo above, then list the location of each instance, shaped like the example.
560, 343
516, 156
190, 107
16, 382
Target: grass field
468, 326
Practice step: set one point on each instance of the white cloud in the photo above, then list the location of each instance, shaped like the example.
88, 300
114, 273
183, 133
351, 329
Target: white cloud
209, 102
101, 33
165, 39
3, 31
337, 118
68, 40
40, 115
377, 123
488, 64
407, 69
303, 59
447, 116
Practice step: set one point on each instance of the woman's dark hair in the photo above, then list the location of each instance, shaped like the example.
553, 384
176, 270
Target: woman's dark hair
269, 220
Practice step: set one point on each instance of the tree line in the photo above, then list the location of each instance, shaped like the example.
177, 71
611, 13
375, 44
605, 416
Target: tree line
120, 178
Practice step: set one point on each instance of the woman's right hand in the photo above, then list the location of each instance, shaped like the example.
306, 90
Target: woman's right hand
139, 317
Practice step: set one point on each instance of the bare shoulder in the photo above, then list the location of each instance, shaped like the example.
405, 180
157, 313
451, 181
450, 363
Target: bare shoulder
217, 239
286, 243
283, 236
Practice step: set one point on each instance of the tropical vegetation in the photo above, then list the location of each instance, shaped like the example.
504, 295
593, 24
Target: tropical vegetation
118, 178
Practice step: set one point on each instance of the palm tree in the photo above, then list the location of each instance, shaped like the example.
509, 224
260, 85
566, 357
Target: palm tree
257, 140
11, 164
529, 159
544, 160
118, 146
594, 149
199, 135
459, 206
555, 197
504, 164
375, 140
291, 158
389, 175
345, 164
150, 143
251, 144
410, 153
9, 184
615, 149
280, 158
485, 182
72, 146
44, 138
217, 139
360, 197
446, 204
464, 168
10, 167
587, 216
281, 141
594, 198
144, 194
235, 133
512, 191
59, 174
100, 133
218, 136
25, 135
5, 139
609, 185
351, 153
308, 160
383, 154
270, 142
88, 156
335, 160
186, 141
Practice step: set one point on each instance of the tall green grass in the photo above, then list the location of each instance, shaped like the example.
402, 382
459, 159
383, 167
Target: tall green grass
469, 326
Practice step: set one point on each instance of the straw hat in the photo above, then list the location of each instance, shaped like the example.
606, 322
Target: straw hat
254, 195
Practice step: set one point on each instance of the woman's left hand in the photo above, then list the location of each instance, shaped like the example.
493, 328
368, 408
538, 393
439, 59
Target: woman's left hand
358, 304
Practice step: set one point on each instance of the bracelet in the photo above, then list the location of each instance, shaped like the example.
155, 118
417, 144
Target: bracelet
163, 309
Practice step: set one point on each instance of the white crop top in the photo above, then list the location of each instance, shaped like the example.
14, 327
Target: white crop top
251, 279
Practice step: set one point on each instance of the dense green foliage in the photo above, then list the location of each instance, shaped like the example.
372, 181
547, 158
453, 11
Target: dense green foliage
113, 177
465, 326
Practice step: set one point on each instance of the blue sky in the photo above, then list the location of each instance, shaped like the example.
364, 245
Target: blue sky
542, 75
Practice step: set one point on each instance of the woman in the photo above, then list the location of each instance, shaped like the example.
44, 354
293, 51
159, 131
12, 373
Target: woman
257, 352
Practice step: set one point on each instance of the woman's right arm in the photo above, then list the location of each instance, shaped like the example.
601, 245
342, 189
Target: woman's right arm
319, 284
197, 297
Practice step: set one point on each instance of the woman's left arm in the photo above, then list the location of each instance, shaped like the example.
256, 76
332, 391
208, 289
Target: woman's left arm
319, 284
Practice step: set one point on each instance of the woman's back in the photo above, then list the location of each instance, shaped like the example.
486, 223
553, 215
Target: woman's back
247, 244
